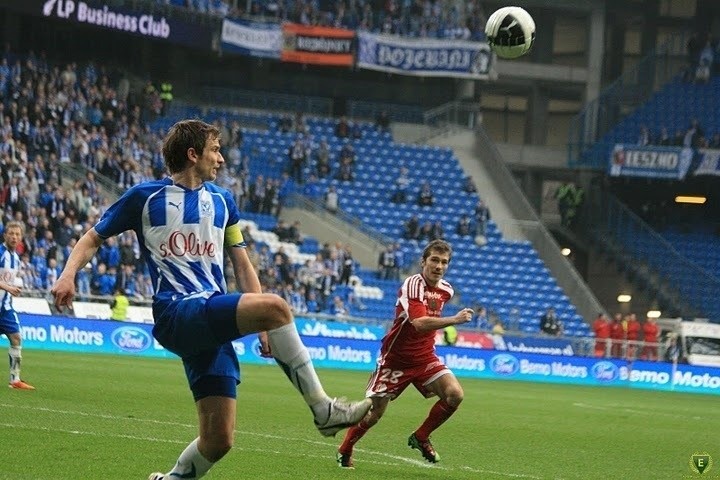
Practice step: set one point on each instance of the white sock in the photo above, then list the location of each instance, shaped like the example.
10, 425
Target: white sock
294, 358
191, 464
15, 356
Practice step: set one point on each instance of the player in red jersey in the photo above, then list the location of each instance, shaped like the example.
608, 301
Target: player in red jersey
407, 355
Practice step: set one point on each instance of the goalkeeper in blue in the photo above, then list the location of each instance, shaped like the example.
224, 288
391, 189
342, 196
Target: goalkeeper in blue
185, 224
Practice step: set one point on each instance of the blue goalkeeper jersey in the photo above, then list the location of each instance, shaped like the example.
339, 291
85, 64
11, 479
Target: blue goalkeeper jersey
181, 232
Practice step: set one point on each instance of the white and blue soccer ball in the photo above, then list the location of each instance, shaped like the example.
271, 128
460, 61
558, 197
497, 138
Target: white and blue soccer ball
510, 31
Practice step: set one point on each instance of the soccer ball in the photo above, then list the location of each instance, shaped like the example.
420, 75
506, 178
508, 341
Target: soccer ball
510, 31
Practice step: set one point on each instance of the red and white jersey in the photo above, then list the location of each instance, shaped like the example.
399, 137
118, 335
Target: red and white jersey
403, 344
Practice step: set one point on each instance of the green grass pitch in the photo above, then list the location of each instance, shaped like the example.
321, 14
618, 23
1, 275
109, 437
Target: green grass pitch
115, 417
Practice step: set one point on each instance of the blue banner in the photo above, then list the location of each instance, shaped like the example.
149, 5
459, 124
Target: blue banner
329, 328
424, 57
252, 38
105, 336
650, 161
708, 162
546, 346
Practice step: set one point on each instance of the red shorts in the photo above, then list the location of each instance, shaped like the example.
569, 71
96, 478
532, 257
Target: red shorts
390, 380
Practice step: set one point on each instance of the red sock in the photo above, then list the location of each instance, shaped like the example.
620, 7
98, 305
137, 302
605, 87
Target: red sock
353, 435
439, 412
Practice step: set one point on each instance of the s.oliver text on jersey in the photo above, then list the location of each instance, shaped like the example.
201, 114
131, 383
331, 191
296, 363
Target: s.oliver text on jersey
180, 244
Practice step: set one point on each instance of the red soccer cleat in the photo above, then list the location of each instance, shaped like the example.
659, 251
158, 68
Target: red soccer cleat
20, 385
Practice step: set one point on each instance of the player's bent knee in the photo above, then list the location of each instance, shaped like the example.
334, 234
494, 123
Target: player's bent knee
278, 312
454, 397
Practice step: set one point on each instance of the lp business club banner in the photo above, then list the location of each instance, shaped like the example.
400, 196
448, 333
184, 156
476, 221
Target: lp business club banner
424, 57
106, 15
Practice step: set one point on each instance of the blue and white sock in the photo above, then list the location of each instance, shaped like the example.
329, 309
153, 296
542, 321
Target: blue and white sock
294, 358
15, 356
191, 465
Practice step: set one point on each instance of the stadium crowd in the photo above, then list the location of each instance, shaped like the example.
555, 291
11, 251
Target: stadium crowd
450, 19
89, 116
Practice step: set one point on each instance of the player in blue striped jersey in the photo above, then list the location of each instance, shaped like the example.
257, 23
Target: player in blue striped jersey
184, 224
9, 324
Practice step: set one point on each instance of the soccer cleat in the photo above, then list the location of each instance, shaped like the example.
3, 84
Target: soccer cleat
20, 385
426, 448
345, 461
156, 476
342, 414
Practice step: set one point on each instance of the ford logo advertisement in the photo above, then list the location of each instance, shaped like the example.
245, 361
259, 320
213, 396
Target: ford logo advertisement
605, 371
131, 339
504, 364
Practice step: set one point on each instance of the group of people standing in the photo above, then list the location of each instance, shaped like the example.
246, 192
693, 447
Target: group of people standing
625, 337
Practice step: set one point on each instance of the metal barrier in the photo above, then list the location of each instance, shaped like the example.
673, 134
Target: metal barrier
265, 100
359, 109
620, 99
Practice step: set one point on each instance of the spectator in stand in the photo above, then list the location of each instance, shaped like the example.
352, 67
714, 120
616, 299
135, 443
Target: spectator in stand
664, 139
425, 195
481, 319
702, 71
338, 307
386, 263
617, 336
650, 340
550, 324
601, 328
348, 266
411, 229
438, 232
332, 199
469, 185
322, 159
644, 138
345, 172
297, 157
693, 134
402, 182
464, 227
342, 128
347, 152
632, 335
281, 230
355, 131
482, 216
285, 124
382, 121
313, 189
426, 231
294, 234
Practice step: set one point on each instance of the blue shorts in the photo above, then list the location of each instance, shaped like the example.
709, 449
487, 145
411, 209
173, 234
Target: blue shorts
9, 322
200, 331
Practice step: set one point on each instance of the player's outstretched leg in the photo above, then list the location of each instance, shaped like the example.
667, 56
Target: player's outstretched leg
425, 447
330, 414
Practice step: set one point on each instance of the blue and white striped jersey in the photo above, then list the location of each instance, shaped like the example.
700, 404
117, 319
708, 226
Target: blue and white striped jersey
9, 268
181, 233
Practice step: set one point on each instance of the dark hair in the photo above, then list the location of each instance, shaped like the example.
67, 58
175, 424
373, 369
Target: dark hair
439, 246
183, 136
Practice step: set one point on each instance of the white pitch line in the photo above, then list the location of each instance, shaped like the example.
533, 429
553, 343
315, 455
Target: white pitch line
396, 458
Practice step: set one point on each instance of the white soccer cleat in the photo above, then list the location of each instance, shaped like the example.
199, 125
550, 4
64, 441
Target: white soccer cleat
156, 476
343, 414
